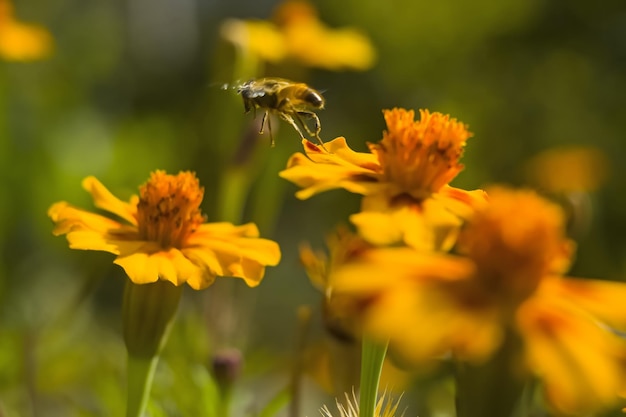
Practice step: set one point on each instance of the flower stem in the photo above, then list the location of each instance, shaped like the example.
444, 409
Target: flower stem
373, 355
140, 374
475, 384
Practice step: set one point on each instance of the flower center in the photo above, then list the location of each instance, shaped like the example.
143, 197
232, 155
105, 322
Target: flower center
169, 208
420, 157
515, 241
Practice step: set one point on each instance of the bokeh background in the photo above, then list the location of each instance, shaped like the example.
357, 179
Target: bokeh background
131, 86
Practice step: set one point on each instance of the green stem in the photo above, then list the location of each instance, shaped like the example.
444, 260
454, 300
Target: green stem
476, 383
140, 374
373, 355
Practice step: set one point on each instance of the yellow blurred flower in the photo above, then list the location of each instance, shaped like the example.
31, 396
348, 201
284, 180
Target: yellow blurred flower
298, 34
350, 408
335, 364
314, 44
20, 41
164, 235
515, 250
258, 37
568, 169
404, 179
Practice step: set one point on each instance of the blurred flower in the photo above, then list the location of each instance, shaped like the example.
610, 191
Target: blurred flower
568, 169
510, 279
335, 364
404, 179
20, 41
298, 34
164, 236
259, 37
339, 311
384, 407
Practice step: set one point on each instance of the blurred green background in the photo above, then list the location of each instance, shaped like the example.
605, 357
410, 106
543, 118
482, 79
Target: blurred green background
134, 85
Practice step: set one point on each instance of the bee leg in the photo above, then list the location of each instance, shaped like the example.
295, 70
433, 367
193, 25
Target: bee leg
269, 128
318, 125
292, 122
263, 122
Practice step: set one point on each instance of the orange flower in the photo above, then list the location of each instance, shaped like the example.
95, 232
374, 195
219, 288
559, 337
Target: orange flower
404, 179
164, 235
568, 169
20, 41
298, 34
509, 280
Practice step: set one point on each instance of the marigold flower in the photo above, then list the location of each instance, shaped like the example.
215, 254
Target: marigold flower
404, 179
314, 44
568, 169
20, 41
298, 34
164, 235
509, 280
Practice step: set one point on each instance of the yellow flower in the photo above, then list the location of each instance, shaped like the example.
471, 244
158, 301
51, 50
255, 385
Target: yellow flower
335, 364
515, 250
299, 35
404, 179
384, 407
163, 235
312, 43
20, 41
258, 37
568, 169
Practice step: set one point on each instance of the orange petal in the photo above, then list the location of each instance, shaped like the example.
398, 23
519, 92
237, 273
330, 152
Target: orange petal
579, 361
103, 199
603, 299
169, 265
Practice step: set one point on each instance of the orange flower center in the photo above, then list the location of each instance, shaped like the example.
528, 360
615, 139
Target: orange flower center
169, 208
420, 157
515, 241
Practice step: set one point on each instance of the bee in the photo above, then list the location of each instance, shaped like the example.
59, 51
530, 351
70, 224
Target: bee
291, 101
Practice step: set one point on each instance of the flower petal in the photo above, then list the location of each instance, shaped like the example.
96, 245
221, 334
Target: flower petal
103, 199
91, 231
337, 167
150, 264
579, 361
425, 226
603, 299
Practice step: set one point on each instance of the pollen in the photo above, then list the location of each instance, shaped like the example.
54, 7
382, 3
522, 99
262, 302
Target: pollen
515, 241
420, 157
169, 208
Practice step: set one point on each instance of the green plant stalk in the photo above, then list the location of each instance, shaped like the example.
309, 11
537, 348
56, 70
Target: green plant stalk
373, 355
476, 384
140, 373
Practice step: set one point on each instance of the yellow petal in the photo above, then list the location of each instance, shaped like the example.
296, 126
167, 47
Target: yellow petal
24, 42
579, 361
68, 218
337, 166
103, 199
424, 226
223, 230
138, 267
603, 299
383, 268
424, 323
90, 240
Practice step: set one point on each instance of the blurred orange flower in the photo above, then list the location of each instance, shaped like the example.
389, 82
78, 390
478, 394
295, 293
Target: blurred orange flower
568, 169
164, 235
20, 41
404, 179
515, 250
298, 34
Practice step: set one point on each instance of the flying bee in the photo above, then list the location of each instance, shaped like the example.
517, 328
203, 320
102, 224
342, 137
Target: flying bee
291, 101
